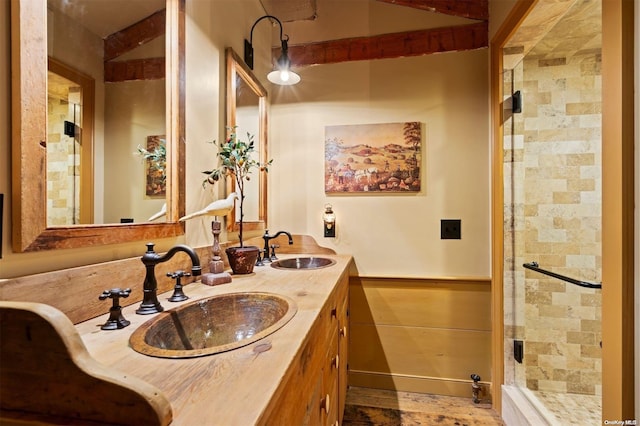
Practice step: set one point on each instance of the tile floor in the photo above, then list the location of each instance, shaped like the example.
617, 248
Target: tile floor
572, 409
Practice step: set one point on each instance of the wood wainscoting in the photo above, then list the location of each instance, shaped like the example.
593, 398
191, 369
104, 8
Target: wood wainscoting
75, 291
420, 335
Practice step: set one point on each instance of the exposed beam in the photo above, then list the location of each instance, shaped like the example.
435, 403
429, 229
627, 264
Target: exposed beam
472, 9
395, 45
134, 35
134, 69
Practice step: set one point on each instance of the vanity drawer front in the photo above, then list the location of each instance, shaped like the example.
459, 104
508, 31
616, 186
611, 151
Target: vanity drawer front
300, 394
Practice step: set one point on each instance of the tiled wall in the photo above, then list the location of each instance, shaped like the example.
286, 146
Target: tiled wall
553, 217
63, 174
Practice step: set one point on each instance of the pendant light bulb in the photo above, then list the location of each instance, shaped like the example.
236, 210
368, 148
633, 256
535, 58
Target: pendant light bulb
283, 77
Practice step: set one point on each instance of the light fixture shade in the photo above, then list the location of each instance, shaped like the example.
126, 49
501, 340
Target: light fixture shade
283, 77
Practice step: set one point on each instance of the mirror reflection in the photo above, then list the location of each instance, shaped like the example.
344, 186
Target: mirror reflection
246, 112
247, 122
106, 102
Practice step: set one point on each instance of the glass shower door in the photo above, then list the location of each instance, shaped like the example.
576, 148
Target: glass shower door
553, 217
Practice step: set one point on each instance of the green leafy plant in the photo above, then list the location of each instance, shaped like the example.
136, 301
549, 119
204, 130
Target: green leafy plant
157, 166
235, 160
157, 155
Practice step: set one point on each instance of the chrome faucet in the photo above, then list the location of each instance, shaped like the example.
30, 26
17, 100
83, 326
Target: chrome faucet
150, 303
266, 237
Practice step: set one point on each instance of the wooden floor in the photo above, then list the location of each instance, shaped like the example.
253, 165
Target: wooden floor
369, 407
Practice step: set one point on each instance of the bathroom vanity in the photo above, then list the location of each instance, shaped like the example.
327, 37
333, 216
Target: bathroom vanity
296, 375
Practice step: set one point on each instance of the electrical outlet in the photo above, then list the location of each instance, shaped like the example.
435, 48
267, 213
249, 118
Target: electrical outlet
450, 229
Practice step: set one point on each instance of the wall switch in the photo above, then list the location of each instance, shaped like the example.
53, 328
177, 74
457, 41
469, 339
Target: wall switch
450, 229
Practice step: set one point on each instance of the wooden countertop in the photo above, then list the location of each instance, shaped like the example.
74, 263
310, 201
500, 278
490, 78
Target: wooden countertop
230, 388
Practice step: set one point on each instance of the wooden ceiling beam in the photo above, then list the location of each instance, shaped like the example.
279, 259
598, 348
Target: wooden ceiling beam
135, 35
134, 69
472, 9
385, 46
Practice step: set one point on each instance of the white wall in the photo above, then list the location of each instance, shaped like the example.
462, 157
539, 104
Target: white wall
134, 110
398, 234
208, 35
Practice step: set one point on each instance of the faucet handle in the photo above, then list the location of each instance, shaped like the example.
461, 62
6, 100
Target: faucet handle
259, 259
273, 251
115, 294
178, 294
178, 274
116, 319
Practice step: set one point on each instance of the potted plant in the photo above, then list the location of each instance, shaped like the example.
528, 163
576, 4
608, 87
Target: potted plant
235, 160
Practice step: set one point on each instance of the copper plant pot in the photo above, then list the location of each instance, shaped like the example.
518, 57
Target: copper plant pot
242, 259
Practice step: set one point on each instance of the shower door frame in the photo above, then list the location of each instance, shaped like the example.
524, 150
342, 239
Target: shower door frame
617, 205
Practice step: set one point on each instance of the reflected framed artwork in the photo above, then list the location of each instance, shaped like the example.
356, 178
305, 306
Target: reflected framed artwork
156, 166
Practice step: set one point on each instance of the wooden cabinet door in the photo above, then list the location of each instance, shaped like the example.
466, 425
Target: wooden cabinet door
331, 405
343, 345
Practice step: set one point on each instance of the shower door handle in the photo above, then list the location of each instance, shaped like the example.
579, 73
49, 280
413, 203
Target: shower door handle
535, 267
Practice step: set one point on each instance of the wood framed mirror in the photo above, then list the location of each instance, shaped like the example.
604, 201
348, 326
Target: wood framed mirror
247, 113
32, 42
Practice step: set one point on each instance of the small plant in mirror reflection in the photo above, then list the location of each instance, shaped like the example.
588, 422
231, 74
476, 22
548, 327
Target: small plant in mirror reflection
236, 159
155, 155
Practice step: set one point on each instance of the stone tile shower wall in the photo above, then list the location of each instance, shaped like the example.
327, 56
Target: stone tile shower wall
553, 216
63, 174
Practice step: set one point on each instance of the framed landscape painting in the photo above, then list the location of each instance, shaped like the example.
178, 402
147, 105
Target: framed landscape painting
373, 158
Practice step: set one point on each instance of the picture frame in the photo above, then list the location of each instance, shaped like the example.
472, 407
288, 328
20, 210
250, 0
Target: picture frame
378, 158
155, 166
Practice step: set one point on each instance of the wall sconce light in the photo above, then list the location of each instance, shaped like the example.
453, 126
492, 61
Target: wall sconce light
329, 218
282, 74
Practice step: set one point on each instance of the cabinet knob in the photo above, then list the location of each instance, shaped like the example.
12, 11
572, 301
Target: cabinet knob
334, 312
336, 361
343, 331
325, 404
